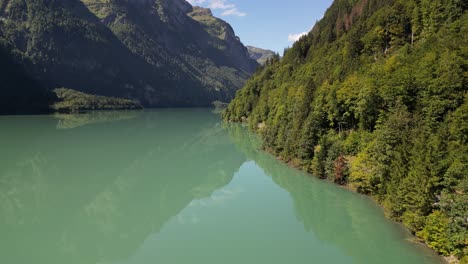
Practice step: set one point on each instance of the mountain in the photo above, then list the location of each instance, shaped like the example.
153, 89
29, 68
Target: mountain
375, 98
159, 52
260, 55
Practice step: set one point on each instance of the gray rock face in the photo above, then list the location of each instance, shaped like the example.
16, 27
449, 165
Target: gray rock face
224, 37
260, 55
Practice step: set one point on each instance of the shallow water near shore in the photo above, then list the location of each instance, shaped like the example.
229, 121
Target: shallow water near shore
175, 186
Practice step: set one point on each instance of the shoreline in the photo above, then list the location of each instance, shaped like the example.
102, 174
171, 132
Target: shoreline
415, 239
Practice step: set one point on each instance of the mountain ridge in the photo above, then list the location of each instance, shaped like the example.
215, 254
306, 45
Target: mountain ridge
151, 51
260, 55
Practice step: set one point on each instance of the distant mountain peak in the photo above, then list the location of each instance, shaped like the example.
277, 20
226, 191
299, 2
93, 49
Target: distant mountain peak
201, 11
260, 55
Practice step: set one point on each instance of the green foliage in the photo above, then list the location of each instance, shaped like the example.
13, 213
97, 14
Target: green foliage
375, 96
435, 232
73, 101
464, 260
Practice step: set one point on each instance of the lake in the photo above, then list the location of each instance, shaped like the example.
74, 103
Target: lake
175, 186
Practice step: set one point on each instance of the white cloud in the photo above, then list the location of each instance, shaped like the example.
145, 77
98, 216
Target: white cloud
220, 4
296, 37
196, 2
229, 8
233, 12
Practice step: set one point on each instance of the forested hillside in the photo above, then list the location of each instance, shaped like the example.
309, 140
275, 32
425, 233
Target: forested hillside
73, 101
375, 97
153, 51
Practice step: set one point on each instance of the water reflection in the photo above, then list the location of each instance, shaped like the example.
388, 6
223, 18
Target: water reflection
346, 220
69, 121
160, 185
94, 193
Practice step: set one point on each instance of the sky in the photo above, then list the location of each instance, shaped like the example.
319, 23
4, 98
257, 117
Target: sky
268, 24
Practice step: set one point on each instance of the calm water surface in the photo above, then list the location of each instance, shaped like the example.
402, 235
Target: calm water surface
174, 186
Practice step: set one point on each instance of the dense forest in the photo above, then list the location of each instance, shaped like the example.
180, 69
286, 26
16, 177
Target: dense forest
375, 98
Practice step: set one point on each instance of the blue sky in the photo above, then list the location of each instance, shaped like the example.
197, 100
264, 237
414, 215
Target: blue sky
269, 24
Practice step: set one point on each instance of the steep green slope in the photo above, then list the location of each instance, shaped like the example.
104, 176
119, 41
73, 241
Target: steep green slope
67, 46
375, 97
151, 51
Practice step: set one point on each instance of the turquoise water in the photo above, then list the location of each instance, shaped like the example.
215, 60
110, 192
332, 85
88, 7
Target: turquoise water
174, 186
